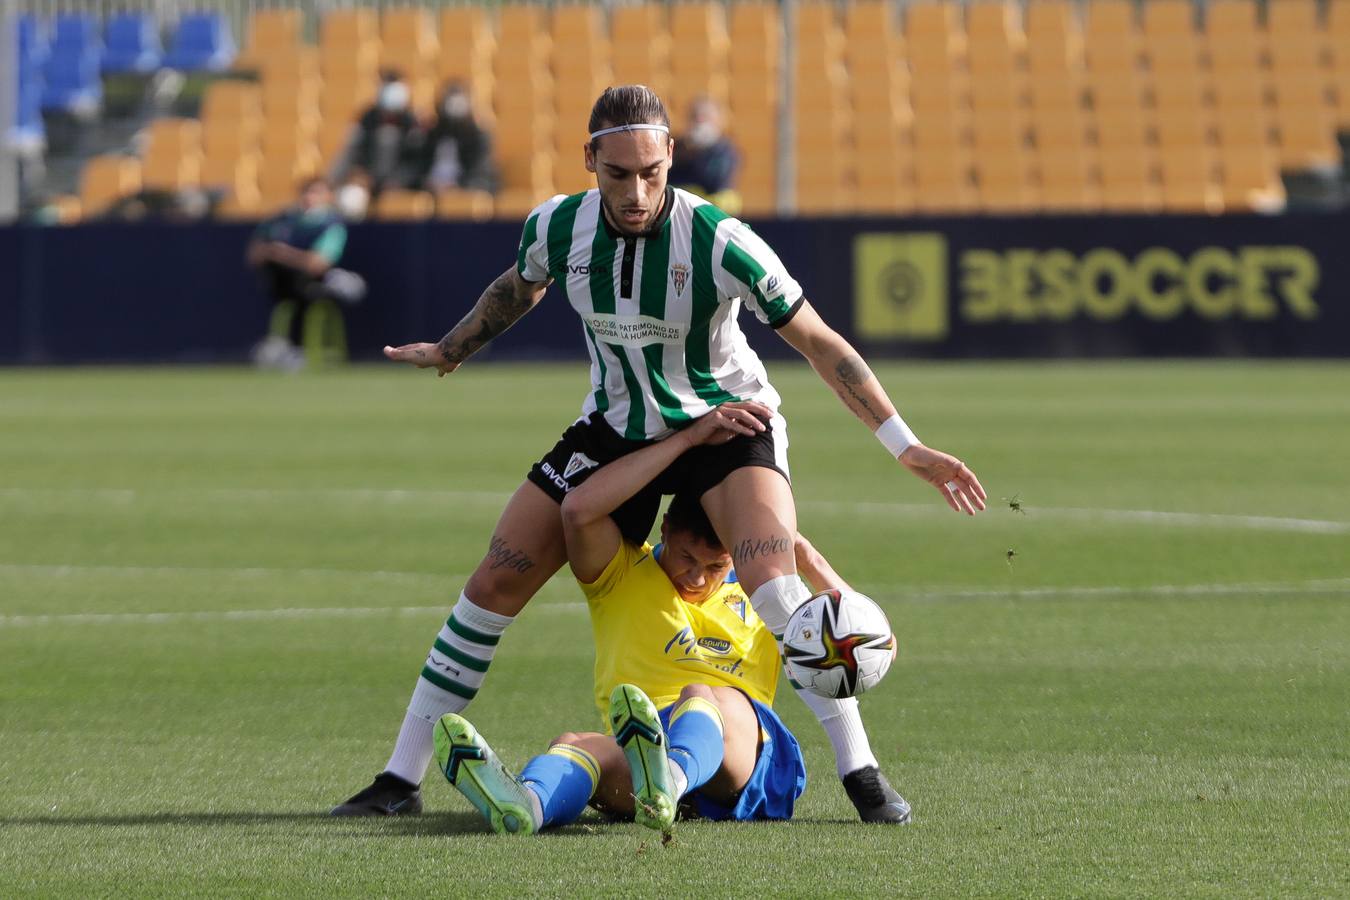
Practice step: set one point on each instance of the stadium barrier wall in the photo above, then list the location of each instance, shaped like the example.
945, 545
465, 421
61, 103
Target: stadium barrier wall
949, 288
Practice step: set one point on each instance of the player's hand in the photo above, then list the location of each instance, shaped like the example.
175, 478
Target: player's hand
739, 417
424, 356
954, 481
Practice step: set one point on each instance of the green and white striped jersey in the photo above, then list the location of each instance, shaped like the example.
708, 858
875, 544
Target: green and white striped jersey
659, 311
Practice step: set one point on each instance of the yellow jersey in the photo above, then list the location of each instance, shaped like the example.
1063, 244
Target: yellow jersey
648, 635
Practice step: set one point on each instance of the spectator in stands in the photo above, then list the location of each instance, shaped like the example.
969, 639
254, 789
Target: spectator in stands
296, 253
385, 149
457, 152
705, 160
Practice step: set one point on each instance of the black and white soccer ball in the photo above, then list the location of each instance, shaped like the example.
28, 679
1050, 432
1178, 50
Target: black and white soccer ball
838, 644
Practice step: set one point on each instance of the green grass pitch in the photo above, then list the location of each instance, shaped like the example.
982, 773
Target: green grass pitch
217, 588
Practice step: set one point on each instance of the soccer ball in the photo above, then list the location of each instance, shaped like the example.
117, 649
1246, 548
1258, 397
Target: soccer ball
838, 644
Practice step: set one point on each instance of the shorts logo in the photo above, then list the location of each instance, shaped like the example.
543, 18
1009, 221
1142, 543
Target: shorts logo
679, 276
578, 463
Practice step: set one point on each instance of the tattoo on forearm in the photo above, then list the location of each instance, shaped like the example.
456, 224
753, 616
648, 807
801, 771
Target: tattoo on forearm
503, 556
497, 310
849, 374
756, 548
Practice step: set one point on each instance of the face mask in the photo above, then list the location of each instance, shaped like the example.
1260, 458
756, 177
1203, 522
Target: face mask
352, 201
704, 134
393, 97
456, 106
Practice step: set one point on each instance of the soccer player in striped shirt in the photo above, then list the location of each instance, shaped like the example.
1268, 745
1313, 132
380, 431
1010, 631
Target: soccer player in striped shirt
657, 277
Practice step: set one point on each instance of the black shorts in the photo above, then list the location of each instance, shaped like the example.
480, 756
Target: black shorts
590, 443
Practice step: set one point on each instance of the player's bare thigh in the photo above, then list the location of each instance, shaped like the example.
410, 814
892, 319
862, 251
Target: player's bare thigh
740, 740
753, 513
526, 549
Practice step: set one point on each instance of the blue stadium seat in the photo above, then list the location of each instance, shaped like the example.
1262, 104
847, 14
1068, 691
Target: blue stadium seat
132, 44
201, 42
33, 47
71, 82
75, 34
28, 130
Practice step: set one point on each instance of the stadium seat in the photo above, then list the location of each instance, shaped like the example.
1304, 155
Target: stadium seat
1188, 183
640, 41
934, 37
465, 205
75, 33
271, 32
1064, 175
132, 44
396, 205
70, 81
1233, 38
201, 43
1127, 180
1111, 37
106, 179
1250, 180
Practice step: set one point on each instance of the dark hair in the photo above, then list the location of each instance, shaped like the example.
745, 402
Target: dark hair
627, 104
686, 514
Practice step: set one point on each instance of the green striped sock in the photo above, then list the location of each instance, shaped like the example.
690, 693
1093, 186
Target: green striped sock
453, 673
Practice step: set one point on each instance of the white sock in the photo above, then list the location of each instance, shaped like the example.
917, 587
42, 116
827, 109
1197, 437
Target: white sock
678, 780
452, 675
843, 725
776, 599
536, 806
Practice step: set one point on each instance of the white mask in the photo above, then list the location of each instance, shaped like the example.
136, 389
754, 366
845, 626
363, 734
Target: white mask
394, 96
352, 202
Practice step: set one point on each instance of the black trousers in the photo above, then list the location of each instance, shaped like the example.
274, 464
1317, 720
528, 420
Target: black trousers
282, 283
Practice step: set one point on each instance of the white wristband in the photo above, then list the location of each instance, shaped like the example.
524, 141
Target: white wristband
895, 436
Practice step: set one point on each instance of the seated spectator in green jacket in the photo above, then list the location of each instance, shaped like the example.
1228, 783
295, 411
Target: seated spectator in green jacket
295, 253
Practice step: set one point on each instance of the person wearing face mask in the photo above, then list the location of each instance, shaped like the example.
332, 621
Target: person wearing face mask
295, 254
707, 161
388, 139
457, 152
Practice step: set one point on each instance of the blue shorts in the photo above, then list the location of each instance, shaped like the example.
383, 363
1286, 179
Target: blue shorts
777, 781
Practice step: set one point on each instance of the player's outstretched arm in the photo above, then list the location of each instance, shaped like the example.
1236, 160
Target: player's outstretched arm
507, 299
815, 569
592, 537
843, 369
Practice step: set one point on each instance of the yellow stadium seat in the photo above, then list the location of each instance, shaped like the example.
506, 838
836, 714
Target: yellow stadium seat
938, 132
1250, 180
514, 204
1052, 18
171, 137
942, 182
1004, 183
1241, 91
998, 132
270, 32
1121, 128
1181, 129
1188, 183
934, 37
1111, 38
234, 175
1111, 17
397, 205
1065, 179
473, 206
231, 100
1059, 128
172, 173
1243, 128
1169, 17
1307, 138
939, 91
300, 64
997, 93
1115, 90
1178, 91
107, 179
407, 40
1061, 91
226, 140
1127, 180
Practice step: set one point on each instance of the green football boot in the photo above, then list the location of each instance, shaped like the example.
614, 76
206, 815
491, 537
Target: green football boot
637, 728
469, 764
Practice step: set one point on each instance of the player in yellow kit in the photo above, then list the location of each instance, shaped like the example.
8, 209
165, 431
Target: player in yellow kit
685, 672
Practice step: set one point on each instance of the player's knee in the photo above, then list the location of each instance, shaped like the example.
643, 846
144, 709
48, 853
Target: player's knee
571, 738
496, 591
697, 690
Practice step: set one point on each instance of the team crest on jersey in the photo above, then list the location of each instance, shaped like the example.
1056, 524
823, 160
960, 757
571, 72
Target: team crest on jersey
578, 463
679, 276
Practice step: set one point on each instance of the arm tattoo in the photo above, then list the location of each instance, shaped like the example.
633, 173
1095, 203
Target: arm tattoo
850, 373
497, 310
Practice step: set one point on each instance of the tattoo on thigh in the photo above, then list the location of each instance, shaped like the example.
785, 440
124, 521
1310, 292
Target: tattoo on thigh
503, 556
757, 548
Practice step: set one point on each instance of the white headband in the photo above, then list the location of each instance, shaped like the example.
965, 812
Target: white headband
639, 127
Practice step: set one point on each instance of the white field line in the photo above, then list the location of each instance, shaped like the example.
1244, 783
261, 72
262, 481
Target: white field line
888, 594
827, 507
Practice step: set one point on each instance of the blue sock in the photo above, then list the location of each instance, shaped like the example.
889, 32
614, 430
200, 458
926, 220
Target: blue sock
695, 741
563, 779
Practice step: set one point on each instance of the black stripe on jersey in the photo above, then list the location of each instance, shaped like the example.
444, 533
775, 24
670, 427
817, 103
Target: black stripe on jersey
626, 273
